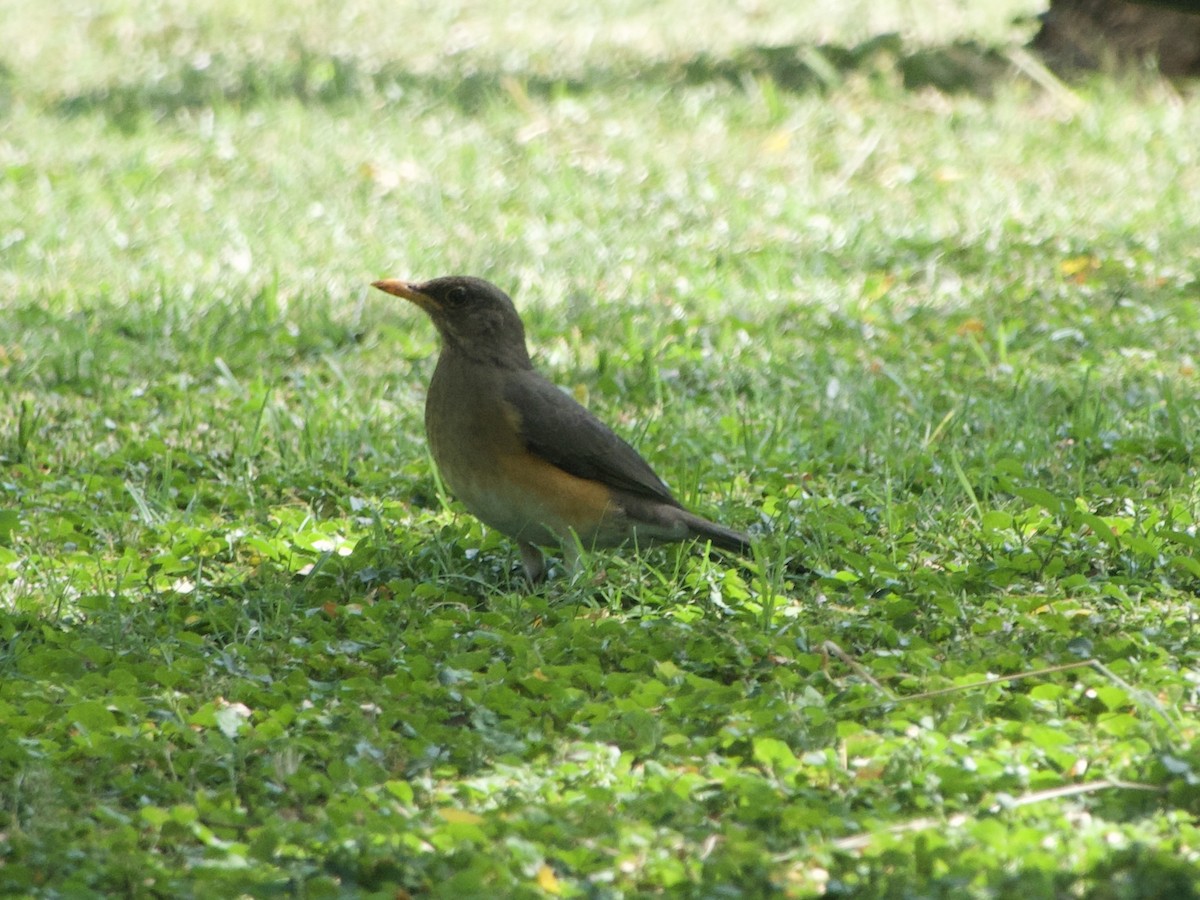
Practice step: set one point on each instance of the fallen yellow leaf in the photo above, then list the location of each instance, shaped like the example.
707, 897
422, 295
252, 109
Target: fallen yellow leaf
460, 816
1077, 268
778, 141
548, 881
971, 326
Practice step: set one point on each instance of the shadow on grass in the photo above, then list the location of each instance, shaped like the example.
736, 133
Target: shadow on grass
105, 342
1144, 871
318, 78
8, 80
1138, 872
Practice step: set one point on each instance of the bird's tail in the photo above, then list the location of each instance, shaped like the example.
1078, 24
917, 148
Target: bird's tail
719, 536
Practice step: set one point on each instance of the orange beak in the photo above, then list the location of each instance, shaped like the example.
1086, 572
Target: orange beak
407, 290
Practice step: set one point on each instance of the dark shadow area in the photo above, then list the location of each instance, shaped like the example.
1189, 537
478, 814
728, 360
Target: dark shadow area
317, 78
308, 77
963, 66
1080, 35
1138, 872
1141, 871
8, 80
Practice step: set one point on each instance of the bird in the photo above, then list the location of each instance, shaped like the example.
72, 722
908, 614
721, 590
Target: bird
522, 455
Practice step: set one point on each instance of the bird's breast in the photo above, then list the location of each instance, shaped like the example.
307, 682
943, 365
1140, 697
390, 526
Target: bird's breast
475, 439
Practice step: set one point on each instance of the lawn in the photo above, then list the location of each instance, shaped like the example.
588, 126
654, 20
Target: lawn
862, 279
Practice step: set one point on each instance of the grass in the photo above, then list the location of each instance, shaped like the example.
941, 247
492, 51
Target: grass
936, 348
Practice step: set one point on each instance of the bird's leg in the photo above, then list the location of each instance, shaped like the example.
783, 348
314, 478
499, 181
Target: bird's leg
572, 555
531, 558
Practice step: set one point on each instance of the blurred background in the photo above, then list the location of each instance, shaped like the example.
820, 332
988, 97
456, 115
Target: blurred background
152, 143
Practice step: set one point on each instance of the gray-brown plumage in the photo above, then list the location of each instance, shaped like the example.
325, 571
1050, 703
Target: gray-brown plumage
523, 456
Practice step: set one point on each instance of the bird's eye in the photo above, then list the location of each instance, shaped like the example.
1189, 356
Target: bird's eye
456, 296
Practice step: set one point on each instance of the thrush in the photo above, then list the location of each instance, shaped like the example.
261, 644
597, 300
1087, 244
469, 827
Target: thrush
523, 456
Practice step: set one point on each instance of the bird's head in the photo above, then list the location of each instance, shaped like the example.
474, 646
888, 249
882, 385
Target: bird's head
473, 316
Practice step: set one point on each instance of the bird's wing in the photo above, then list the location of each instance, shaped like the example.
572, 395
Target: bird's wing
565, 434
